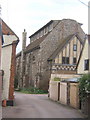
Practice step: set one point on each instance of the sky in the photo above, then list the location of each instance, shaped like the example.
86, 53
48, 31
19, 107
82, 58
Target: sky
33, 14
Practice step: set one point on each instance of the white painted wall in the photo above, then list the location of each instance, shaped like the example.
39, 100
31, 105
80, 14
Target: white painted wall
6, 55
5, 65
8, 39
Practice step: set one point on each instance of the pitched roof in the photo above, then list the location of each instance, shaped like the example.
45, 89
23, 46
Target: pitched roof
62, 44
34, 45
51, 21
41, 28
6, 30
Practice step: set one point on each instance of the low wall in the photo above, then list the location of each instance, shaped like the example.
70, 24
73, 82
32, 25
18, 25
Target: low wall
53, 90
74, 95
65, 92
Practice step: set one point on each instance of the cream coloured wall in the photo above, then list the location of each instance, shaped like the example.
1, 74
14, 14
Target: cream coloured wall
74, 97
8, 39
63, 93
85, 55
53, 90
68, 51
6, 55
5, 65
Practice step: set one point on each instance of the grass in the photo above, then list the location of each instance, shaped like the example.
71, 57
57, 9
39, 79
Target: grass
32, 90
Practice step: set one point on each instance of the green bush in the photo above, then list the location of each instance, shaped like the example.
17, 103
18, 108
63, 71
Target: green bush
56, 79
84, 86
32, 90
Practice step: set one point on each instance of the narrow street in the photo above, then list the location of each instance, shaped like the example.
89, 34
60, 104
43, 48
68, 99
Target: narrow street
38, 106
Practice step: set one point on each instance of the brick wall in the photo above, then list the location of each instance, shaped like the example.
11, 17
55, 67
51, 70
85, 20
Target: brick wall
12, 70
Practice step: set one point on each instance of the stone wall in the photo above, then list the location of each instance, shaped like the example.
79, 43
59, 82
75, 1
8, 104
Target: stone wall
51, 42
36, 71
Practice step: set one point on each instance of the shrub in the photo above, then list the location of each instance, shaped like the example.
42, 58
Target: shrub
56, 79
32, 90
84, 86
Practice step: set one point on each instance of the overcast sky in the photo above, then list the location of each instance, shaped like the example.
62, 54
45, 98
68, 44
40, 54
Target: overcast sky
33, 14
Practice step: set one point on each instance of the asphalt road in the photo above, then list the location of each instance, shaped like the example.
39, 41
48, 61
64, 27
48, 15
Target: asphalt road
38, 106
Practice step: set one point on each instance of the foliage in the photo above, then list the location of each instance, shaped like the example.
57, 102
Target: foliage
84, 86
56, 79
32, 90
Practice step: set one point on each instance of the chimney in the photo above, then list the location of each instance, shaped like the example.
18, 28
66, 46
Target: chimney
24, 35
22, 72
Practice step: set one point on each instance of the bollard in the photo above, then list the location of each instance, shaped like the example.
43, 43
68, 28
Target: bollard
4, 103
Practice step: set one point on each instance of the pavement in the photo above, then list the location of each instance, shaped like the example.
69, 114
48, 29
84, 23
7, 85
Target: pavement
38, 106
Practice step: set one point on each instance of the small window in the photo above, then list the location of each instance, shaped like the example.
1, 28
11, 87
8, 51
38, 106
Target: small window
74, 60
65, 60
86, 64
2, 40
33, 58
45, 30
74, 47
50, 27
41, 33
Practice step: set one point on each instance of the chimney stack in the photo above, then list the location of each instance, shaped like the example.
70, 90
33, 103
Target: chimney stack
22, 72
24, 35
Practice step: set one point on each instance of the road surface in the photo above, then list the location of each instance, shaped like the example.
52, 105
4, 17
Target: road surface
38, 106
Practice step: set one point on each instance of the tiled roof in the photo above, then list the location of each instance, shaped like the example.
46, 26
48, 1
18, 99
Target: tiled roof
62, 44
42, 28
34, 45
6, 30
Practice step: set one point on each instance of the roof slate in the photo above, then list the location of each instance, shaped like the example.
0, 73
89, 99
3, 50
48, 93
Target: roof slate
6, 30
41, 28
62, 44
34, 45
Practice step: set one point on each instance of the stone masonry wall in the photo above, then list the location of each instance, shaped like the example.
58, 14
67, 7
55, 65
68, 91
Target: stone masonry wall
36, 64
49, 45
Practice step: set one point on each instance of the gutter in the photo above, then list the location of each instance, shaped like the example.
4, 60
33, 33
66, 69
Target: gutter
14, 42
